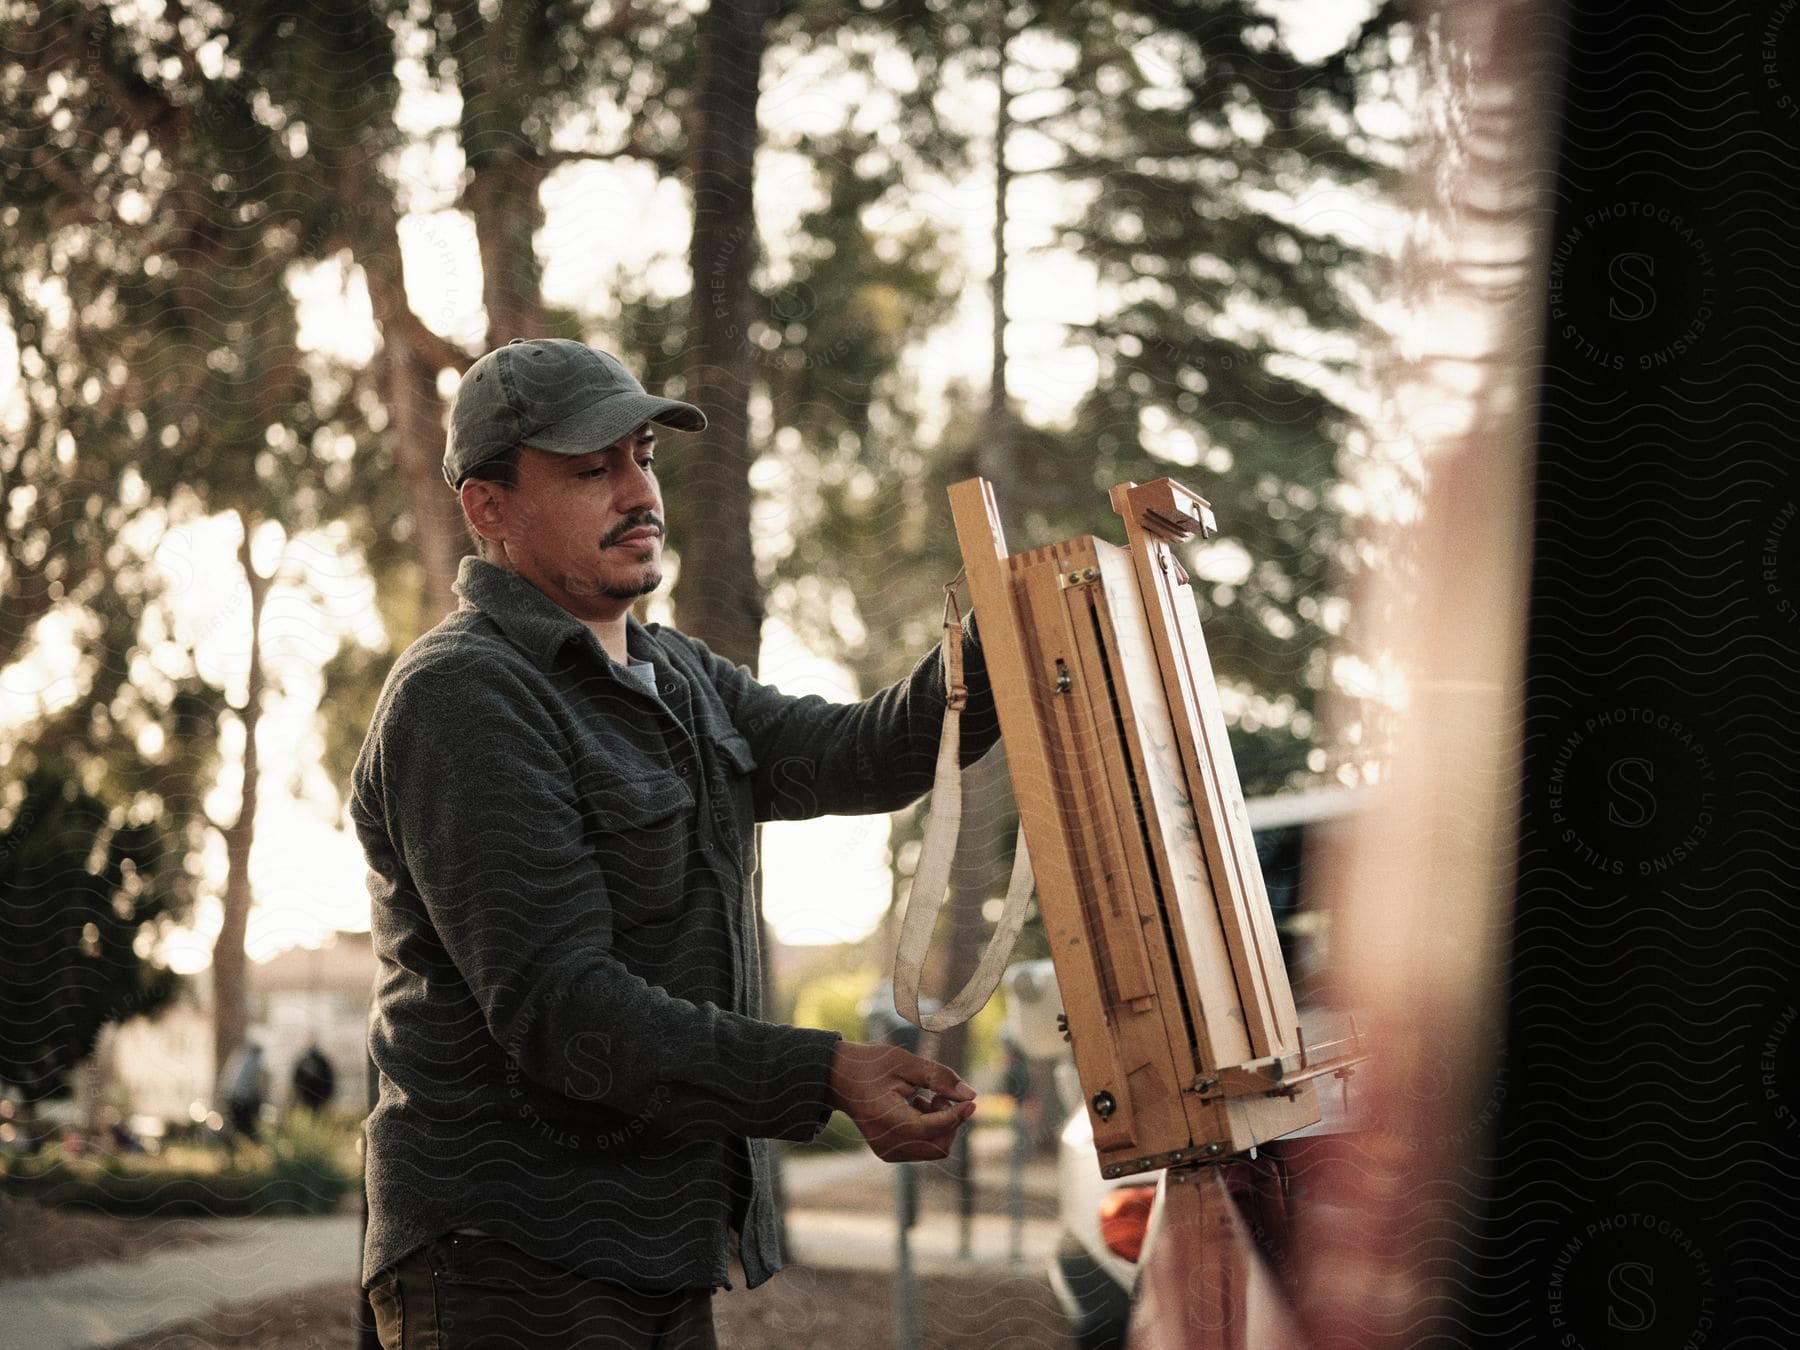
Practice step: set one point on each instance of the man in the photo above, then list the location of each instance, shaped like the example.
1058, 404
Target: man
314, 1080
557, 802
241, 1086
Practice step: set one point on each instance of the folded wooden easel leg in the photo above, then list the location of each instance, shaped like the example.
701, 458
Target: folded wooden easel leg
1202, 1282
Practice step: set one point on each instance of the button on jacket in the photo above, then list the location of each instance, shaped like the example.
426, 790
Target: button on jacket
567, 1014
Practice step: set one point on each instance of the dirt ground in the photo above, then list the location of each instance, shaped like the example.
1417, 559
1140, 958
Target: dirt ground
799, 1309
37, 1241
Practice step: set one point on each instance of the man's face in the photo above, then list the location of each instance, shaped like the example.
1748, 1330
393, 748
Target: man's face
587, 529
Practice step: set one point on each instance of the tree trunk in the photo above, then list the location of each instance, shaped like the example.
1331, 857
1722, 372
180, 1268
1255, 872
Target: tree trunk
502, 196
998, 443
494, 55
415, 422
718, 597
229, 964
411, 357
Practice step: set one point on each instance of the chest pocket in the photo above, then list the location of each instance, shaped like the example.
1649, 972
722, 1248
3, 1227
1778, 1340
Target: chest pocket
641, 833
737, 763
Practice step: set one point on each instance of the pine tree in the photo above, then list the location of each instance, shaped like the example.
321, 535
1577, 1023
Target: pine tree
78, 884
1213, 160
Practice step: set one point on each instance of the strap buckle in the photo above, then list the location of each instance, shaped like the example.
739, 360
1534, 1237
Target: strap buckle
952, 610
956, 693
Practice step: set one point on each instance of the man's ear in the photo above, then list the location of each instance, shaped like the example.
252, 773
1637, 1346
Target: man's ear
484, 503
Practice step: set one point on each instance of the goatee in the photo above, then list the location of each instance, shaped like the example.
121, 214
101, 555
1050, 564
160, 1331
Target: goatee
652, 579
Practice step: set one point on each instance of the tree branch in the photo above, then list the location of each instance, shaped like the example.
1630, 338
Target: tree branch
387, 280
555, 159
387, 297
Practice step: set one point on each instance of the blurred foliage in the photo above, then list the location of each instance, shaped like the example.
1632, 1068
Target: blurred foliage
1198, 141
164, 174
985, 1052
307, 1166
1201, 145
78, 883
158, 187
830, 1002
1215, 161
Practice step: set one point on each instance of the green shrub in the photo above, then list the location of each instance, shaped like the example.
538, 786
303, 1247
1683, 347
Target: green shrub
306, 1167
830, 1002
985, 1051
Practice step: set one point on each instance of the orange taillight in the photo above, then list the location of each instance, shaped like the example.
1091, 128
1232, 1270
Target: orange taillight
1124, 1215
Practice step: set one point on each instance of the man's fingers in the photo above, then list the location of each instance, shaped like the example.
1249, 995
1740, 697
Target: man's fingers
910, 1125
910, 1122
926, 1138
929, 1074
934, 1103
944, 1081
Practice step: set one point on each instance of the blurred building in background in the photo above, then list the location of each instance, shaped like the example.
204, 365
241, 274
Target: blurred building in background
304, 996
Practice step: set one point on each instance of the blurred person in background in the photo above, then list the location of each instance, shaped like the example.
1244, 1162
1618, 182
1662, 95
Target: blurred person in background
242, 1089
314, 1080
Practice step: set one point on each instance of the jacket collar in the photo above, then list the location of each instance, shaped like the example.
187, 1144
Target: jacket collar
531, 620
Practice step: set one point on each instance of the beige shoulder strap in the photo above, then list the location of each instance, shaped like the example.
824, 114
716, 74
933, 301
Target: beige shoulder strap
931, 882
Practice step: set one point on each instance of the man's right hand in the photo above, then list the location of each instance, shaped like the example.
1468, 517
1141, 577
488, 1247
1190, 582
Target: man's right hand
908, 1109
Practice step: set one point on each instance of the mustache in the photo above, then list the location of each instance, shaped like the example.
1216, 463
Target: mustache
640, 521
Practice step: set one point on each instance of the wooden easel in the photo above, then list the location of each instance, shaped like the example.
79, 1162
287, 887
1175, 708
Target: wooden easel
1177, 1004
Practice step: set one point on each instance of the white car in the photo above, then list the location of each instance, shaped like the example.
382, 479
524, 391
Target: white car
1095, 1265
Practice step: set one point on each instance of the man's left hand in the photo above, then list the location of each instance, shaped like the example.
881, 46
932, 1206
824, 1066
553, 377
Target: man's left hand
908, 1108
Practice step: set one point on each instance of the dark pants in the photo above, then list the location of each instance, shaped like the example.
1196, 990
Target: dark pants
465, 1291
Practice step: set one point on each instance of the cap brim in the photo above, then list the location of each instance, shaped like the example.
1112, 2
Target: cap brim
607, 421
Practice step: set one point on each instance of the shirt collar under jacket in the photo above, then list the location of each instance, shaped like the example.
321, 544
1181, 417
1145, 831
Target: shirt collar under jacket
531, 620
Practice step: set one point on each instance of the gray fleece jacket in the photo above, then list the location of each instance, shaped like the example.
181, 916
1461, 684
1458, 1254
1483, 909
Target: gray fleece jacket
567, 1018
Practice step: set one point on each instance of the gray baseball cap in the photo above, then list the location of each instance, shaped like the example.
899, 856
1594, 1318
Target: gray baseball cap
561, 396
